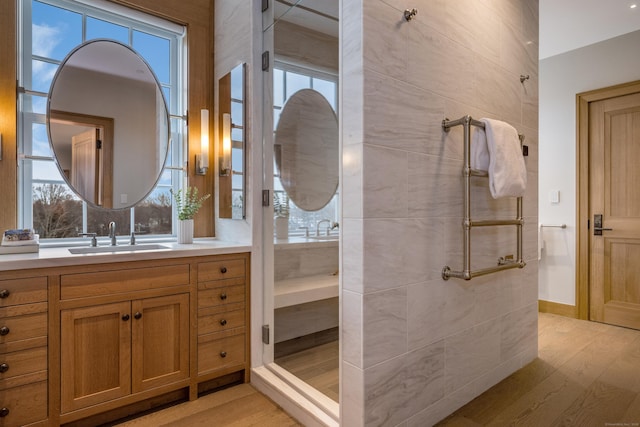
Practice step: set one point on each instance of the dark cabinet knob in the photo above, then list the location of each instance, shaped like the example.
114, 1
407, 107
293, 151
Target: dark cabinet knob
4, 293
138, 315
4, 412
223, 354
4, 368
223, 270
125, 317
223, 322
223, 296
4, 331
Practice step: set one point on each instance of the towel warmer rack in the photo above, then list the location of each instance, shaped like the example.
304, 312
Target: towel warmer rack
504, 263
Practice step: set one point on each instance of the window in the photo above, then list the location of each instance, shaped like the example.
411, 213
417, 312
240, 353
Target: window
289, 79
50, 29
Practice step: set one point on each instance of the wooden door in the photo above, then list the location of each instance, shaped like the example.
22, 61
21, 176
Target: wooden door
95, 355
614, 182
85, 166
160, 337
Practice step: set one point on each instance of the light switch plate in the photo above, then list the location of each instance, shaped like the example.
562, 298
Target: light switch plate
554, 196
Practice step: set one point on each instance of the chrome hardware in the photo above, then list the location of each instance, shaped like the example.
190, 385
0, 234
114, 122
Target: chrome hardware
4, 331
4, 412
125, 317
223, 322
4, 368
597, 225
4, 293
328, 226
223, 270
223, 296
223, 354
553, 225
94, 240
112, 233
138, 315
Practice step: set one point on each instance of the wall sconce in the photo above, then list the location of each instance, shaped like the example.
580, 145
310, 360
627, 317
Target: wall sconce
225, 154
202, 159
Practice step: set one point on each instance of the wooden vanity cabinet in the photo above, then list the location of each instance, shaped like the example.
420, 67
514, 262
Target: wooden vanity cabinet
112, 350
119, 338
223, 317
23, 350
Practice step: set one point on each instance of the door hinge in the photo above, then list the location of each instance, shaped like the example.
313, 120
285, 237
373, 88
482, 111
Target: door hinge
265, 5
265, 197
265, 334
98, 144
588, 224
265, 60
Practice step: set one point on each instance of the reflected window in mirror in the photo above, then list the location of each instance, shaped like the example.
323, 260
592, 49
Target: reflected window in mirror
49, 31
288, 80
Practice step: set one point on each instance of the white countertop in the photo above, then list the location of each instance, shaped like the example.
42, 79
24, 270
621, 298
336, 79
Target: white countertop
60, 256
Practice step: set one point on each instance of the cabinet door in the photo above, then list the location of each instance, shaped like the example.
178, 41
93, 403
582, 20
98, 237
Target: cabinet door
160, 340
95, 355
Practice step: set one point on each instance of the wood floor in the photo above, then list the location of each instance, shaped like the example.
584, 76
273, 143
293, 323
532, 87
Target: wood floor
317, 366
587, 374
238, 406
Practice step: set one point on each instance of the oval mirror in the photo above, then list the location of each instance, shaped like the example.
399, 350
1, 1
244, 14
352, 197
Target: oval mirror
108, 124
306, 150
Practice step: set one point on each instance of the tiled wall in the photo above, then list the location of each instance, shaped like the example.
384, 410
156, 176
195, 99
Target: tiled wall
416, 347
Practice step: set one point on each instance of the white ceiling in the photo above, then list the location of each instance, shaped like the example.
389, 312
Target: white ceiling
571, 24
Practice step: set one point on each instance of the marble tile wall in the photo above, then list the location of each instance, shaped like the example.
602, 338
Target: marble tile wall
416, 347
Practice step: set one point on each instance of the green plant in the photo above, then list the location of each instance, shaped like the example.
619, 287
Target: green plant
187, 202
281, 205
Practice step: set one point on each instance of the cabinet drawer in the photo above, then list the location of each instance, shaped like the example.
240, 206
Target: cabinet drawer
24, 405
23, 291
217, 353
217, 270
220, 296
23, 327
218, 320
126, 280
23, 362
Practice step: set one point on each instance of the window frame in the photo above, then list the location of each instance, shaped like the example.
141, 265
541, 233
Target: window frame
134, 21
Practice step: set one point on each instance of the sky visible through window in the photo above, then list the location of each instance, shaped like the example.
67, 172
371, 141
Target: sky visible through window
54, 33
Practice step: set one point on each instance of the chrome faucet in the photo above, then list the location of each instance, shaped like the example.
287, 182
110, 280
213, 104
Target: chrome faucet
328, 221
112, 233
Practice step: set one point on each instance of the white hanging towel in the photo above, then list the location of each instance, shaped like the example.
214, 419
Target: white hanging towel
496, 149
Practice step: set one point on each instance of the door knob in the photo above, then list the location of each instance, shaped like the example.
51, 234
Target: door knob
223, 322
4, 293
138, 315
4, 368
4, 331
125, 317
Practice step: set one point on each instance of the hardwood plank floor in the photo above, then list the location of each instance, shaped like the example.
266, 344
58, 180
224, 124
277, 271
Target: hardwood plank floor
586, 374
238, 406
317, 366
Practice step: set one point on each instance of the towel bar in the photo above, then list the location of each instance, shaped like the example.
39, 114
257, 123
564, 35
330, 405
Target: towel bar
466, 273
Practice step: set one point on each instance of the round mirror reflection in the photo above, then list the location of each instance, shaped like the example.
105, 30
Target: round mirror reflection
306, 150
108, 124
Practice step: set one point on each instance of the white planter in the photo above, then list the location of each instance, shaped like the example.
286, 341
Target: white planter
185, 231
281, 224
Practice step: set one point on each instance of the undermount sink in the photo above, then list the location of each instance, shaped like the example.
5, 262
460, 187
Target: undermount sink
123, 248
330, 237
